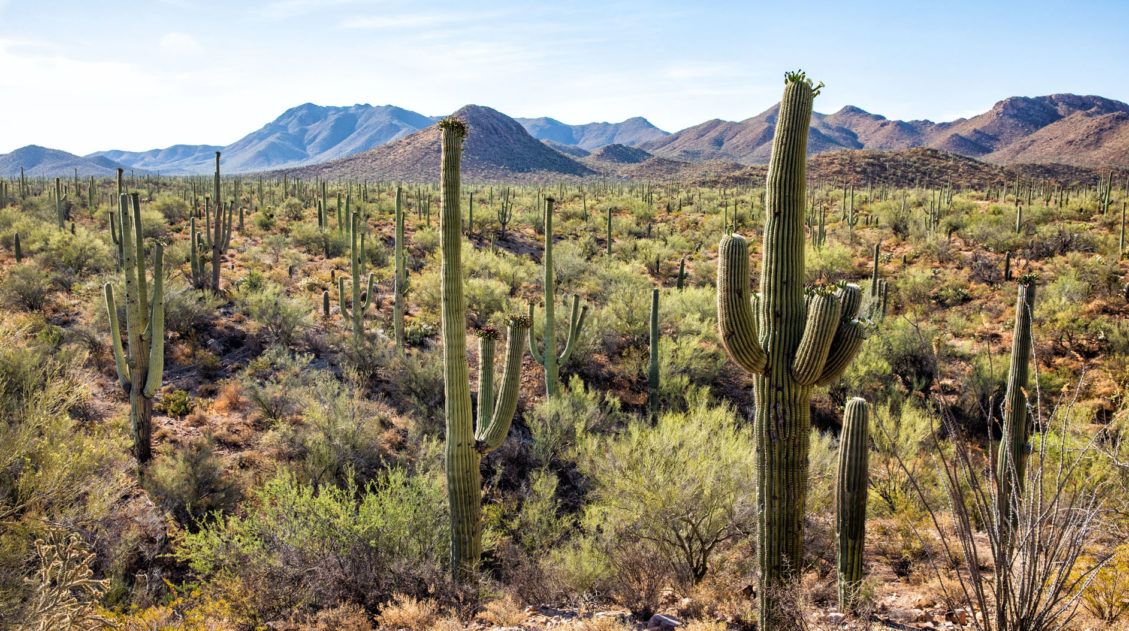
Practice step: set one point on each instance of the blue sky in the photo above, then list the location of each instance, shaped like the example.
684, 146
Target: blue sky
83, 76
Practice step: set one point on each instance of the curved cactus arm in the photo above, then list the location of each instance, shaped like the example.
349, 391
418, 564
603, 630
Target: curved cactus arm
341, 296
537, 357
369, 300
490, 436
850, 296
116, 337
848, 340
486, 341
824, 313
736, 320
156, 327
575, 325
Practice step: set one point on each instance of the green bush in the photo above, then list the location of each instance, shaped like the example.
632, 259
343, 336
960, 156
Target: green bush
680, 489
280, 317
188, 309
190, 484
25, 288
174, 209
177, 403
318, 242
558, 422
303, 546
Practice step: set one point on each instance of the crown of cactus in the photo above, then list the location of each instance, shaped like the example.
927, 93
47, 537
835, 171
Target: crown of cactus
1011, 465
140, 369
850, 500
549, 358
465, 445
789, 341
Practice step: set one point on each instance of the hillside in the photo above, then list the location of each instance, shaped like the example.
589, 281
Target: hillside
39, 161
497, 148
304, 134
1079, 130
621, 154
631, 132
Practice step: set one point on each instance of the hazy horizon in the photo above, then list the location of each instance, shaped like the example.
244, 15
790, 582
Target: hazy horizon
202, 72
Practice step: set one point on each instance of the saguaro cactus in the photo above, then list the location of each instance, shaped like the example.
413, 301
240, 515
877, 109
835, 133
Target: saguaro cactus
1012, 460
221, 238
139, 371
465, 445
549, 358
360, 303
789, 341
850, 500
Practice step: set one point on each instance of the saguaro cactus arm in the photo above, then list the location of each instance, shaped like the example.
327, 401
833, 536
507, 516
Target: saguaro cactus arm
116, 338
156, 327
575, 325
824, 313
537, 356
492, 431
736, 321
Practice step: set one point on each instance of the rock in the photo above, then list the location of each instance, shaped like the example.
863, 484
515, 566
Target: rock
836, 618
214, 346
659, 622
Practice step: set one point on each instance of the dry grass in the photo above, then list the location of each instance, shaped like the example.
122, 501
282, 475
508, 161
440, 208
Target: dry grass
408, 613
504, 612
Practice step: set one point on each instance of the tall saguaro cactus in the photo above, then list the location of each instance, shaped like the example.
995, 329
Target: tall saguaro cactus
465, 445
850, 500
789, 341
360, 303
653, 365
221, 238
140, 366
549, 358
400, 277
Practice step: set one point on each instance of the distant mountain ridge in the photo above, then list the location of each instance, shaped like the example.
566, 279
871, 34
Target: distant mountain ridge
1060, 128
631, 132
39, 161
1085, 131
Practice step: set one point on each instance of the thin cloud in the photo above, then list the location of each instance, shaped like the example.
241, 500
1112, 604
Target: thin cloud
179, 44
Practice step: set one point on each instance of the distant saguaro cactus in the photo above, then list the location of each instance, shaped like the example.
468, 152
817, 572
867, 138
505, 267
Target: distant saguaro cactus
549, 358
789, 341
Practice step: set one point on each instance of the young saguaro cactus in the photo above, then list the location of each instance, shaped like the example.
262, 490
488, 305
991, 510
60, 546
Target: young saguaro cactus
850, 500
140, 366
549, 358
1011, 464
789, 341
465, 445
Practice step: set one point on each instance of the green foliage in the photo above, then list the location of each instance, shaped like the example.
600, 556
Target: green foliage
172, 208
280, 317
680, 487
190, 483
177, 403
25, 288
306, 546
558, 422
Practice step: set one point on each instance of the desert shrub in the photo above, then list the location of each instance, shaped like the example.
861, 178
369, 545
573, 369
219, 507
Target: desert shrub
316, 241
265, 219
187, 309
540, 524
426, 239
829, 264
190, 483
73, 256
25, 288
280, 317
305, 546
338, 436
823, 463
406, 612
418, 386
678, 489
177, 403
1059, 240
274, 381
291, 208
172, 208
556, 423
1106, 597
60, 470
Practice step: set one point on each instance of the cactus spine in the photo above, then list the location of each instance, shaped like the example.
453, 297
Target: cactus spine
549, 358
465, 445
850, 500
139, 371
789, 344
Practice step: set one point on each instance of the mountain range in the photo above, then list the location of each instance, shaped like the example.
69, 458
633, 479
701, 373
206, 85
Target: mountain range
365, 140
